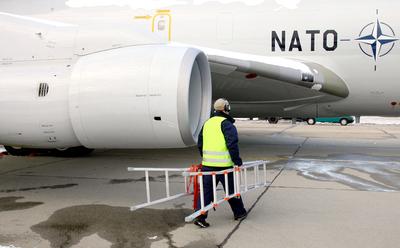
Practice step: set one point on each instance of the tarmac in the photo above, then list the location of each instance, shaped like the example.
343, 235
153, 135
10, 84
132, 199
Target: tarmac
331, 186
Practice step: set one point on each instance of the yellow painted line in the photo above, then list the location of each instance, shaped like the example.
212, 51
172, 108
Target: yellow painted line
147, 17
163, 11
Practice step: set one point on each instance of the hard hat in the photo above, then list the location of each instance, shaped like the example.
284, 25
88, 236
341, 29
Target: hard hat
222, 105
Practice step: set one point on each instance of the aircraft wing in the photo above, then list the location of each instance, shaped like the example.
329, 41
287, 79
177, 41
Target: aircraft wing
31, 38
258, 83
294, 72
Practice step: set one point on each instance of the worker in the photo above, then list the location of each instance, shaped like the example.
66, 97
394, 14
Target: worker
218, 145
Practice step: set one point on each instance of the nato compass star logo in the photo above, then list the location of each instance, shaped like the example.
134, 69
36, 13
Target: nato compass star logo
377, 39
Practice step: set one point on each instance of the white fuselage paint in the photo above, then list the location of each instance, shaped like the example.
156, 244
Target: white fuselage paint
79, 27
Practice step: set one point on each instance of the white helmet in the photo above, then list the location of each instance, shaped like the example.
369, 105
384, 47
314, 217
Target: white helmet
222, 105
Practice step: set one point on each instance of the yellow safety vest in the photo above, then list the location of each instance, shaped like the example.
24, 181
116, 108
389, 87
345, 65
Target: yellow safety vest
215, 151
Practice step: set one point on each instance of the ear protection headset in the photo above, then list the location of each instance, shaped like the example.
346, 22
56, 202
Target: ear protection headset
227, 106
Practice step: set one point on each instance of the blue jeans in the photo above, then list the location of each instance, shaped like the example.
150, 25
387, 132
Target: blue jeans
236, 203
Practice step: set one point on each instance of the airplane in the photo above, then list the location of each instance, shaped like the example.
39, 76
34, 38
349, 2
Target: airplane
78, 75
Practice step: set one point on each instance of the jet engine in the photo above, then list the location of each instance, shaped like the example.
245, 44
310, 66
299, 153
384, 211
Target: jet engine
152, 96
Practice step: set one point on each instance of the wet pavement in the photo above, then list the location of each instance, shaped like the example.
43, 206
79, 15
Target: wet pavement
356, 172
123, 229
332, 186
10, 203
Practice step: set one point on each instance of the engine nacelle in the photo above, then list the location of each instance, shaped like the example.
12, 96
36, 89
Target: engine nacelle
153, 96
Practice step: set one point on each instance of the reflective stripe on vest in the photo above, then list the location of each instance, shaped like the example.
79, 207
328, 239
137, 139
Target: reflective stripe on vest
215, 151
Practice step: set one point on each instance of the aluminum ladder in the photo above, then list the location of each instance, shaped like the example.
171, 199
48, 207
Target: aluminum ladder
248, 177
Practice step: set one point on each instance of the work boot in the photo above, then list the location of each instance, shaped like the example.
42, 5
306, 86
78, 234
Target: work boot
201, 223
241, 216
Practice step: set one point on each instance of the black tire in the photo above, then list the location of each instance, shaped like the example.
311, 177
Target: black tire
79, 151
273, 120
311, 121
17, 151
344, 122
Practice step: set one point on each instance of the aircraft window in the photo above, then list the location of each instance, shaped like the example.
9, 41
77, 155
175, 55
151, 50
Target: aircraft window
161, 25
157, 118
43, 89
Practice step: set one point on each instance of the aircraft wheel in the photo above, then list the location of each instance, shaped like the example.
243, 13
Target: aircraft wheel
311, 121
273, 120
17, 151
79, 151
344, 122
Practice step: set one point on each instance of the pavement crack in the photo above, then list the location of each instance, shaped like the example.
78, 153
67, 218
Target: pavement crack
392, 136
299, 147
284, 130
225, 241
170, 240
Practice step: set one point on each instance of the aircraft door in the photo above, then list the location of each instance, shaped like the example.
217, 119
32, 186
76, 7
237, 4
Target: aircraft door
162, 24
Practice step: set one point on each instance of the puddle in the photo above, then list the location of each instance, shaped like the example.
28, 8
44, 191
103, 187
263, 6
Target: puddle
117, 225
130, 180
60, 186
379, 174
10, 204
143, 179
120, 181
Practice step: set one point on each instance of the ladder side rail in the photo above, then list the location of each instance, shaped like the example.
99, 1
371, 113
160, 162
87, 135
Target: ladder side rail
134, 169
199, 212
207, 173
144, 205
210, 206
167, 185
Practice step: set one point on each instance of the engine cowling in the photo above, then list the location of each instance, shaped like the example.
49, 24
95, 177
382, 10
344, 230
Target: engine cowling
153, 96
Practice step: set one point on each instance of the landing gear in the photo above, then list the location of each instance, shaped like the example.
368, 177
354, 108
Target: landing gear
79, 151
18, 151
273, 120
311, 121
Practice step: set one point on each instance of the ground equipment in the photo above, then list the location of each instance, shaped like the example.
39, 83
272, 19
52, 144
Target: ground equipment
249, 176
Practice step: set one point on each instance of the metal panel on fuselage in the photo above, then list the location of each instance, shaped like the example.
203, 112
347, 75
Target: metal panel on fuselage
253, 23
